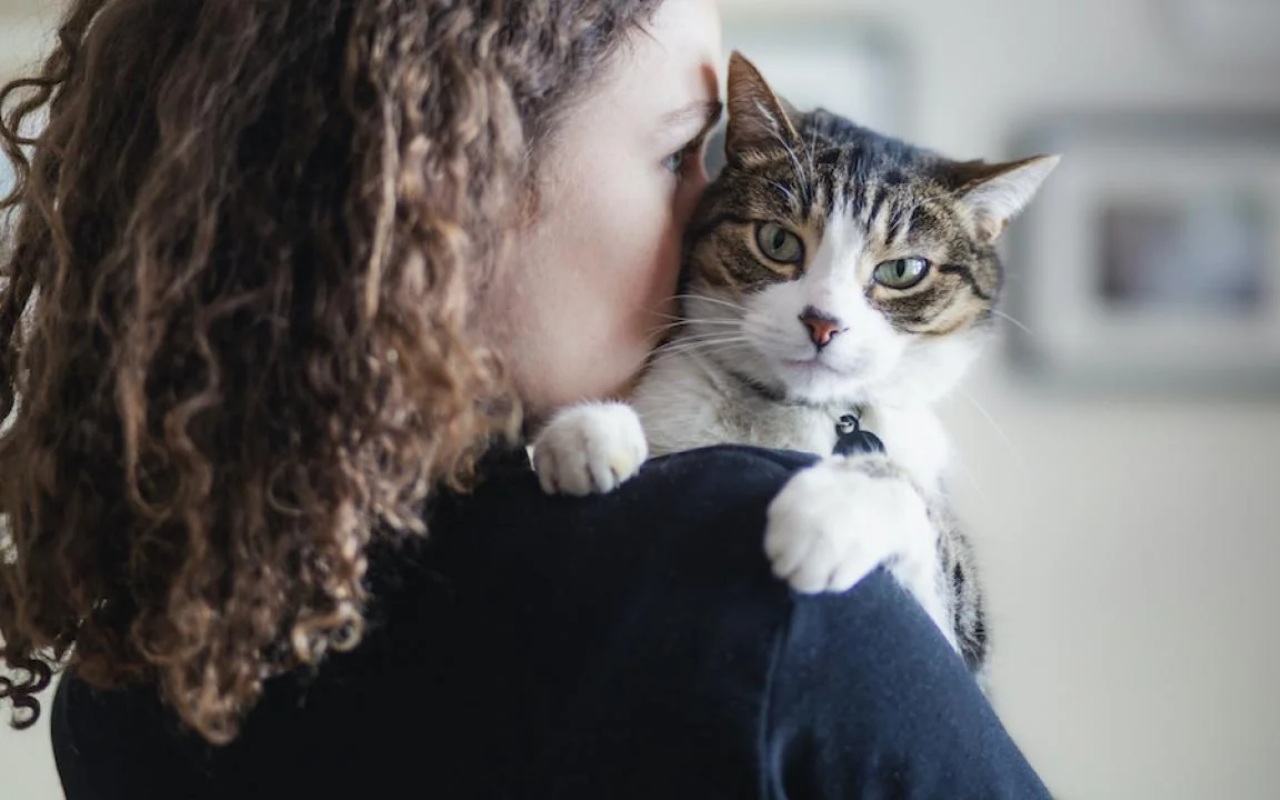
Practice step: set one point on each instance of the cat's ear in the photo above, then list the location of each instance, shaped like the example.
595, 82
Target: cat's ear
759, 120
995, 193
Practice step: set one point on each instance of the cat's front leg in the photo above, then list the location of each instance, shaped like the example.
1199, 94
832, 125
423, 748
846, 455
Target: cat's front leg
589, 449
835, 522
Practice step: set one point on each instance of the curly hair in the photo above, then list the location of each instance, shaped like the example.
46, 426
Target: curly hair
237, 317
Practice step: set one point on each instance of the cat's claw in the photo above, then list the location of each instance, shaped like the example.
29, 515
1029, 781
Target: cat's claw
834, 523
589, 449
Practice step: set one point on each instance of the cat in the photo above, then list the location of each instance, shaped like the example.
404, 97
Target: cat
838, 283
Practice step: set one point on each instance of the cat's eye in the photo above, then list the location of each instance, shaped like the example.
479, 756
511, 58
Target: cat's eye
901, 273
779, 244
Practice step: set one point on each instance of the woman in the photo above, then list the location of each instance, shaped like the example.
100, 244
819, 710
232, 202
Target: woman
281, 274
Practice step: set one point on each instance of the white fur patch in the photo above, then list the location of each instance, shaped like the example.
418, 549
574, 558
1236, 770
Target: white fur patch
917, 441
588, 449
834, 523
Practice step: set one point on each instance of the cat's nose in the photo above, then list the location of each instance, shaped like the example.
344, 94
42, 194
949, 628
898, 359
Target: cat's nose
822, 326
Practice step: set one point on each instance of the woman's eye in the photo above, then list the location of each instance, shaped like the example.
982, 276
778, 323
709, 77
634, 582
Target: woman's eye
779, 244
901, 273
675, 162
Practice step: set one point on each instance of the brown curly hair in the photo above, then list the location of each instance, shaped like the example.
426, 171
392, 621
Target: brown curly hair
236, 313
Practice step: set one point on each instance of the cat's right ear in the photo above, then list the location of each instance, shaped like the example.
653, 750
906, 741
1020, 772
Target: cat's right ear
759, 120
995, 193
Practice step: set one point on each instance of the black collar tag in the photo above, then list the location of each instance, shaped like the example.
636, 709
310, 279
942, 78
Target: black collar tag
852, 440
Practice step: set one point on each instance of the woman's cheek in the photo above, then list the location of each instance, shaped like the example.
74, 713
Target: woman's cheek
664, 266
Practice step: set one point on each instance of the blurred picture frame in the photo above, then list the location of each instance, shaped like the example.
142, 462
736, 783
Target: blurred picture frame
1150, 261
846, 63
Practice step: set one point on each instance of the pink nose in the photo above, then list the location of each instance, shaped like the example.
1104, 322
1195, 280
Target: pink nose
822, 327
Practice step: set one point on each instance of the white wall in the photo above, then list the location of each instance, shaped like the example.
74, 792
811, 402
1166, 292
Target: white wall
1131, 547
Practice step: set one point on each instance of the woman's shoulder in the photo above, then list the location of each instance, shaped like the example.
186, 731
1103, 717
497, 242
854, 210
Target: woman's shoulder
645, 610
669, 486
695, 502
599, 606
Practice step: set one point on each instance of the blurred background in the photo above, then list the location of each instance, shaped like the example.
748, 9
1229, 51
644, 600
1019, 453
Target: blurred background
1120, 444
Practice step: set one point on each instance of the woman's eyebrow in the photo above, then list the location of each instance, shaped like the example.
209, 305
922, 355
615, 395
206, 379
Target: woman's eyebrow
705, 111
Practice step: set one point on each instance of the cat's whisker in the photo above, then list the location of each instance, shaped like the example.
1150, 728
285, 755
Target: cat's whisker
718, 320
681, 346
716, 329
724, 322
680, 322
671, 321
686, 352
1016, 322
709, 338
713, 334
708, 299
964, 467
787, 193
994, 425
662, 329
813, 146
791, 154
677, 318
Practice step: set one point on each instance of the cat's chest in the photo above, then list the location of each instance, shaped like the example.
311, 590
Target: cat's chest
913, 438
682, 408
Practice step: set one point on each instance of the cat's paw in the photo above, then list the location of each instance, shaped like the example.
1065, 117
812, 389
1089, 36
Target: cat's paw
589, 449
835, 522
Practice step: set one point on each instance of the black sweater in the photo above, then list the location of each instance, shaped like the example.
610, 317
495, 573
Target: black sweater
633, 645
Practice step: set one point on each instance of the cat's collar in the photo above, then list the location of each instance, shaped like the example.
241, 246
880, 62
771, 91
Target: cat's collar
774, 395
851, 439
764, 390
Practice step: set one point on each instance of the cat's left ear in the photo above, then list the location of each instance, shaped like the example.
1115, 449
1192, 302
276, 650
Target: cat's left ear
759, 120
995, 193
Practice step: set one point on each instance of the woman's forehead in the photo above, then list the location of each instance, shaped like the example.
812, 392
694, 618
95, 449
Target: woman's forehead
669, 72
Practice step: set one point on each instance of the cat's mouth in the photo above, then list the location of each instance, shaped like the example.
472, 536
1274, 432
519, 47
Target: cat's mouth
813, 366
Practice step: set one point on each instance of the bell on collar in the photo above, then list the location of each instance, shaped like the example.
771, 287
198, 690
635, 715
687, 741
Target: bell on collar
852, 440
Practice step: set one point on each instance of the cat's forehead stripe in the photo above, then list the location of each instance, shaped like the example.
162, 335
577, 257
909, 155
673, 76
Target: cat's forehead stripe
876, 195
903, 224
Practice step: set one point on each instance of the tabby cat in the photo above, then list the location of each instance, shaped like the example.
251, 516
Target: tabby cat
837, 282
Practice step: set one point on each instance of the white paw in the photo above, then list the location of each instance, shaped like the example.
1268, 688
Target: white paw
588, 449
835, 522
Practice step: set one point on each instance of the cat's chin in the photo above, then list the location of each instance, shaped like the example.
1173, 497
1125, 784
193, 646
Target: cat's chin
817, 383
827, 386
809, 368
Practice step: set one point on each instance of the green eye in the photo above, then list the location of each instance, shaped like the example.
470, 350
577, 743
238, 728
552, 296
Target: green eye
779, 244
901, 273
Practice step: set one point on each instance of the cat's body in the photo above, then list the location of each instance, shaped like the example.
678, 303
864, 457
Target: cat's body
830, 271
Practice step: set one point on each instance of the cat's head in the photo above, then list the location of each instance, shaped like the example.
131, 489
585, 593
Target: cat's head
835, 265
